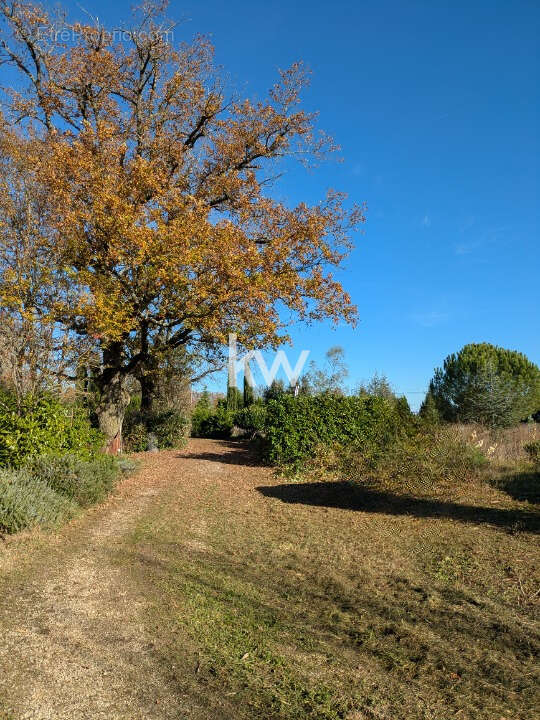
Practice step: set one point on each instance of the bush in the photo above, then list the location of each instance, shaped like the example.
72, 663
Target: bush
135, 437
218, 425
533, 451
252, 419
26, 502
201, 412
295, 426
420, 460
127, 465
170, 430
43, 424
86, 482
210, 422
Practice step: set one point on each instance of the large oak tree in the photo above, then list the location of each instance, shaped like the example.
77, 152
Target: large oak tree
159, 184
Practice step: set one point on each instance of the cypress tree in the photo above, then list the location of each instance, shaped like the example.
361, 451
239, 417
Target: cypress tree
249, 393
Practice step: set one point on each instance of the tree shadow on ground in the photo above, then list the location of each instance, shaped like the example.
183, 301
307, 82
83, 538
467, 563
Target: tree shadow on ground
523, 485
237, 452
342, 495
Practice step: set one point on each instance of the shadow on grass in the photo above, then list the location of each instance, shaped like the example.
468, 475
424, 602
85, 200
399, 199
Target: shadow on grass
523, 485
343, 495
238, 452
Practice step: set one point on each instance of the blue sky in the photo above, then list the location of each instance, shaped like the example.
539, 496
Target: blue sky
436, 108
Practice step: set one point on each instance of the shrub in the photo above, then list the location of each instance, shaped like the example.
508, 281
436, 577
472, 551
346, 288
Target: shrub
126, 465
252, 419
86, 482
211, 422
201, 412
134, 430
170, 428
420, 460
26, 502
533, 451
296, 425
217, 425
43, 424
135, 437
275, 390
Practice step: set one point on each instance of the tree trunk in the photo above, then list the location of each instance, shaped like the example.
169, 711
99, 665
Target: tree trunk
148, 390
111, 409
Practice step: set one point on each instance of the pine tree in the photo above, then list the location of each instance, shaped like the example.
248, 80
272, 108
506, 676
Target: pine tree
486, 384
428, 411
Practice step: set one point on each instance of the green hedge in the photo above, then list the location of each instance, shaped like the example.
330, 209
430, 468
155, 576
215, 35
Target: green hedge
218, 424
42, 424
295, 426
252, 418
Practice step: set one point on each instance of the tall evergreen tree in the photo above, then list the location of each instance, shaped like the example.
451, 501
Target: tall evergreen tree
249, 392
428, 411
486, 384
233, 401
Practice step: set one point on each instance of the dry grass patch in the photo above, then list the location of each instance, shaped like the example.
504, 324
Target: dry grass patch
209, 588
308, 600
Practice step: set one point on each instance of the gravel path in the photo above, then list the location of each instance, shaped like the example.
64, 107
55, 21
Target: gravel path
74, 645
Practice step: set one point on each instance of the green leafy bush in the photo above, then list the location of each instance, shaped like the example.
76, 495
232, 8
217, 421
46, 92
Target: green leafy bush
295, 426
219, 424
170, 430
201, 412
26, 502
211, 422
134, 431
43, 424
252, 419
86, 482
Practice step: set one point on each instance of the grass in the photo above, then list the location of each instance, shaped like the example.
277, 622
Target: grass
306, 601
244, 596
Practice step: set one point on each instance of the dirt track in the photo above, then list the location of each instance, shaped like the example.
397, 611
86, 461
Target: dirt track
207, 588
73, 644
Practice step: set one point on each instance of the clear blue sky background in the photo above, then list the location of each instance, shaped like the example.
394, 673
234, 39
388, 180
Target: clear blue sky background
436, 108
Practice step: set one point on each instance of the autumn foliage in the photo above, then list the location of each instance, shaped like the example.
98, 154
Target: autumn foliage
159, 203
